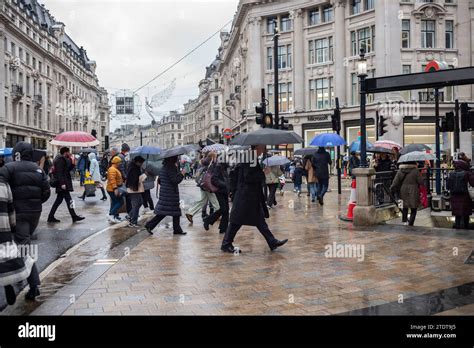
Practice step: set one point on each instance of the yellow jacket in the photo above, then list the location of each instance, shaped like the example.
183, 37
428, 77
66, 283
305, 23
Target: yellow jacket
114, 179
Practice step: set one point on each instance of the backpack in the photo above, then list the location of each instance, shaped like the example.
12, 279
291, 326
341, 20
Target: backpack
457, 183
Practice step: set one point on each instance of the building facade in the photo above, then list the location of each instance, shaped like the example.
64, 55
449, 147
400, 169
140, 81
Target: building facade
319, 46
48, 82
164, 134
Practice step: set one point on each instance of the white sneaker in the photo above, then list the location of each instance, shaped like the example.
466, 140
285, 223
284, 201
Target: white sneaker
117, 220
111, 219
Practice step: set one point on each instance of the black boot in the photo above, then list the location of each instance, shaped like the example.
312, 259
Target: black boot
278, 243
77, 218
10, 295
53, 220
32, 294
230, 249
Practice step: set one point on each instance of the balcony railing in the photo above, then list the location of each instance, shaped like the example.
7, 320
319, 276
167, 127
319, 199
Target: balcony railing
17, 92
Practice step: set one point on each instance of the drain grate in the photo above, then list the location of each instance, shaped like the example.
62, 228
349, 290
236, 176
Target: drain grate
470, 259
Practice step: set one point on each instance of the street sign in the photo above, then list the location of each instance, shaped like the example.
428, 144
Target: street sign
434, 65
228, 133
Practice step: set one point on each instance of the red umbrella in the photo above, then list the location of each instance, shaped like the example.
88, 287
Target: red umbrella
75, 139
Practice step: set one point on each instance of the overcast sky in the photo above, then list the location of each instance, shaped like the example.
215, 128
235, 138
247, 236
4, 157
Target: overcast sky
134, 40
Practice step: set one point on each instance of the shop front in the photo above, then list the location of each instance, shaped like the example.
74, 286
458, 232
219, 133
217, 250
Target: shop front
13, 139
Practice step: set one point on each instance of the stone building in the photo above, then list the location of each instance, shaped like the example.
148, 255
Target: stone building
319, 47
48, 81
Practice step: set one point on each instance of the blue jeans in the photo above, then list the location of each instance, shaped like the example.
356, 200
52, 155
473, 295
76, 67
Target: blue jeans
322, 187
298, 187
115, 204
313, 189
136, 202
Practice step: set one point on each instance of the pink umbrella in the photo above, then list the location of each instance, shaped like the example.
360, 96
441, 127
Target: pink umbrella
387, 144
75, 139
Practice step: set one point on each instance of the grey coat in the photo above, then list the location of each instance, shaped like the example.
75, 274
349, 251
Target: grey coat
406, 182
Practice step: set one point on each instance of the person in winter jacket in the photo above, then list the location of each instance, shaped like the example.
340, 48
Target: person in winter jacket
30, 189
168, 203
103, 166
354, 162
205, 195
321, 162
249, 207
114, 181
311, 177
298, 178
63, 165
220, 179
82, 166
149, 185
458, 184
15, 267
135, 188
406, 183
94, 171
271, 179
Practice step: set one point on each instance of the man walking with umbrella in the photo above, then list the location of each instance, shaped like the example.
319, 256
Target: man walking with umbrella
249, 206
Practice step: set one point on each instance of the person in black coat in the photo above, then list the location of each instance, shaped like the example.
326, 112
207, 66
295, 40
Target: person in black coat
298, 177
168, 202
321, 162
30, 189
63, 165
249, 205
220, 179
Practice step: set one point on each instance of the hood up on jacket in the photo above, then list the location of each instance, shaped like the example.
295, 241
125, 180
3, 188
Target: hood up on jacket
25, 149
461, 165
92, 156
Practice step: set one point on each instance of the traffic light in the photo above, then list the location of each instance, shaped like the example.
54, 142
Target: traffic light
381, 131
94, 133
260, 110
268, 120
449, 122
467, 118
283, 124
336, 118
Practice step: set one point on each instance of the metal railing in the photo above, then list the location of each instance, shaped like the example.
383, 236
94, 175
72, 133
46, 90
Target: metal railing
382, 181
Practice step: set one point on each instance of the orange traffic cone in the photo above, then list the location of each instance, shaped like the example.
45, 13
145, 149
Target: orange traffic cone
352, 203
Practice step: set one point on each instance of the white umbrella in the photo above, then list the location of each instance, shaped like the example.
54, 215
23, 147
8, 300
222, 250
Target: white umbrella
276, 161
416, 156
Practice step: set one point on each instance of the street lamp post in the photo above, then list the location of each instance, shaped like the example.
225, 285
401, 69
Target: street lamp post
362, 74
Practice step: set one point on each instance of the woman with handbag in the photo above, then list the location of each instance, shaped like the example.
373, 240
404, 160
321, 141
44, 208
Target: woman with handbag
406, 183
95, 177
114, 182
205, 193
168, 203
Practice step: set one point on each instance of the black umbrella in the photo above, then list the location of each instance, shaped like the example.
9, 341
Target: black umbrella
267, 136
414, 147
378, 149
306, 151
175, 151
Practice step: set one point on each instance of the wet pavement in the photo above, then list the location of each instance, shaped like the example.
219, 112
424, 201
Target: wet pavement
384, 269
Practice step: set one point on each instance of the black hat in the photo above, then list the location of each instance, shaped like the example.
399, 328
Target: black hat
125, 147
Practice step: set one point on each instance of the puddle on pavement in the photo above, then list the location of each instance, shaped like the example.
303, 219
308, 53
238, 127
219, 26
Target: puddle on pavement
72, 266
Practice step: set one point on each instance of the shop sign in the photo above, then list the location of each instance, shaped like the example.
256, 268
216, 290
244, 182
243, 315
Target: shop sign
318, 118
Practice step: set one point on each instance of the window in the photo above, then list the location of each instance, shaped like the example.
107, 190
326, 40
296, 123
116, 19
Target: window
285, 23
40, 66
28, 60
269, 58
216, 83
284, 57
48, 72
321, 50
362, 39
428, 34
355, 6
355, 89
405, 33
314, 17
369, 4
12, 48
34, 63
449, 34
285, 94
271, 24
216, 100
321, 93
20, 53
216, 114
5, 44
327, 14
28, 83
216, 130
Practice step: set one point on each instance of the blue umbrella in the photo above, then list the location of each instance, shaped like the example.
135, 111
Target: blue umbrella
146, 150
355, 146
328, 140
6, 151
